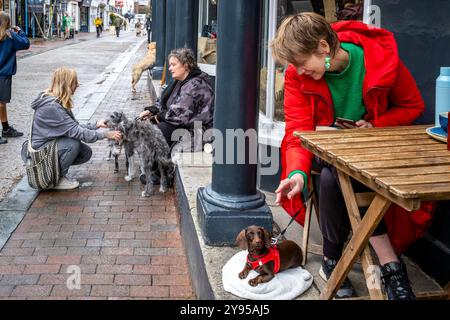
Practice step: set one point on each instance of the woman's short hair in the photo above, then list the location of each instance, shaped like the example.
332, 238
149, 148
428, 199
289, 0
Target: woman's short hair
5, 24
64, 82
301, 34
186, 57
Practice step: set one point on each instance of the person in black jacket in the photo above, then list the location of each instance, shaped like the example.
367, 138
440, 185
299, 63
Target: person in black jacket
187, 104
12, 39
186, 101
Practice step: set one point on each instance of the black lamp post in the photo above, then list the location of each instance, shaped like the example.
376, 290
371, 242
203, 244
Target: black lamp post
159, 36
186, 24
232, 201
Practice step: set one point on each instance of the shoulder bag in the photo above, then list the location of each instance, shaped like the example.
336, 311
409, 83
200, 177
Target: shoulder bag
42, 165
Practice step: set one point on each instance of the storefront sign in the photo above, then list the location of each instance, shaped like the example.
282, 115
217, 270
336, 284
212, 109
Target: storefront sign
36, 6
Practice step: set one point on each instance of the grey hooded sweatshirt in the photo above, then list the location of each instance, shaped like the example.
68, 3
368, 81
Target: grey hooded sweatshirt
51, 120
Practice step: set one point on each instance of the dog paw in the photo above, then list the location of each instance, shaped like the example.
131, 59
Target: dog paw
243, 275
128, 178
162, 189
254, 282
145, 194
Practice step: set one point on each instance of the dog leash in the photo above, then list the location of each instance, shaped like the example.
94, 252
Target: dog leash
276, 239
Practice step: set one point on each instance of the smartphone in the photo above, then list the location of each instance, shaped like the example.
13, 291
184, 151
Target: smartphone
348, 123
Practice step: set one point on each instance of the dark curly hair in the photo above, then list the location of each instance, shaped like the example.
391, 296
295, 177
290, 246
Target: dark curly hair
186, 57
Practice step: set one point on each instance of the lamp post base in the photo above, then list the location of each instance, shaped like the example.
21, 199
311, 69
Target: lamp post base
221, 221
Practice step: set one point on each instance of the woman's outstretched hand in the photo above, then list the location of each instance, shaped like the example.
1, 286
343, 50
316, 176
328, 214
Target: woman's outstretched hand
144, 114
101, 124
289, 187
113, 135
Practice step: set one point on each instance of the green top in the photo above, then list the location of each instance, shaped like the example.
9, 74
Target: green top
346, 87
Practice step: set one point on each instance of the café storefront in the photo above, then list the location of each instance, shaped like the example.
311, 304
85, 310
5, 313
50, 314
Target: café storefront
422, 33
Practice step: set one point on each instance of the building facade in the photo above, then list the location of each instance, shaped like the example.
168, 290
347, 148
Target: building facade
43, 18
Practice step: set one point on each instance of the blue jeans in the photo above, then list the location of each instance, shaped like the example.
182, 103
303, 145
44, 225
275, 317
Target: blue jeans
72, 152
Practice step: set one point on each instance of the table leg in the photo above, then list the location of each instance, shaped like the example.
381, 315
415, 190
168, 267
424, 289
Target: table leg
356, 244
370, 269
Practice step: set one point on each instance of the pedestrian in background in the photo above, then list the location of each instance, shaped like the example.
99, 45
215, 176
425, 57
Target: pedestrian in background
117, 25
138, 27
148, 27
98, 25
72, 27
54, 119
66, 25
12, 39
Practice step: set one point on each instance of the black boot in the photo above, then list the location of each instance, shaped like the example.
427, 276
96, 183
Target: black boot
346, 289
396, 282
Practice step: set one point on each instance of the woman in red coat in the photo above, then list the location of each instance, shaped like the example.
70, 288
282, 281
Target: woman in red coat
348, 70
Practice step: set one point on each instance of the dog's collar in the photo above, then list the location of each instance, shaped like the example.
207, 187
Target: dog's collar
272, 255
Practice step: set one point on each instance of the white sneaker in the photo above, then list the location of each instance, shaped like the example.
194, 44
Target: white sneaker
66, 184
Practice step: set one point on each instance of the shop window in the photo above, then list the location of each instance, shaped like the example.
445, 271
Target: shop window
207, 41
272, 74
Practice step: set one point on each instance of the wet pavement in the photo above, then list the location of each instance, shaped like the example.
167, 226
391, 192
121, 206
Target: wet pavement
103, 240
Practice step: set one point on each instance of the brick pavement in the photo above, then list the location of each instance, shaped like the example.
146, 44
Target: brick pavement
126, 247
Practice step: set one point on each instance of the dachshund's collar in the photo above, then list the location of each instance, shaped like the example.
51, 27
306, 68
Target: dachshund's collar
272, 255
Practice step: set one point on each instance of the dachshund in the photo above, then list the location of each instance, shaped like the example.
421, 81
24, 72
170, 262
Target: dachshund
264, 258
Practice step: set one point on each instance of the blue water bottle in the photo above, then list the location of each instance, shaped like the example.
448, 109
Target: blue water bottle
442, 93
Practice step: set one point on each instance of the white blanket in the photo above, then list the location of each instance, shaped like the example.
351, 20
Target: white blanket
286, 285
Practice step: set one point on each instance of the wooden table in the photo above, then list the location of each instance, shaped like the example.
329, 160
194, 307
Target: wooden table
403, 165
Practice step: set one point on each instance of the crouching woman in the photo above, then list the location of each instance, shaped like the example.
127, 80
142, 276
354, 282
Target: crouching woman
54, 119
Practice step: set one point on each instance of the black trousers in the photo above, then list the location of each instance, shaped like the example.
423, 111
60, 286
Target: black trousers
167, 129
333, 218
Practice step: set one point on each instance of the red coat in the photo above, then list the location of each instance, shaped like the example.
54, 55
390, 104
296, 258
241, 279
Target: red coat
391, 98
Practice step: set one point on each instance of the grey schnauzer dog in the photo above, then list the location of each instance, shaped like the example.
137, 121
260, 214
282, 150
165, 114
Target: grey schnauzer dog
147, 141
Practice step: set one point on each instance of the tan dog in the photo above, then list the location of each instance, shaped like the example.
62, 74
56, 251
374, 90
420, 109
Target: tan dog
147, 62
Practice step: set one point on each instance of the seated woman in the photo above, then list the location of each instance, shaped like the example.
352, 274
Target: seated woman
352, 71
188, 103
54, 119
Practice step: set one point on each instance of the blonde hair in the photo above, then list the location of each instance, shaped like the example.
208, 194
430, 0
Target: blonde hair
5, 24
301, 34
64, 83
